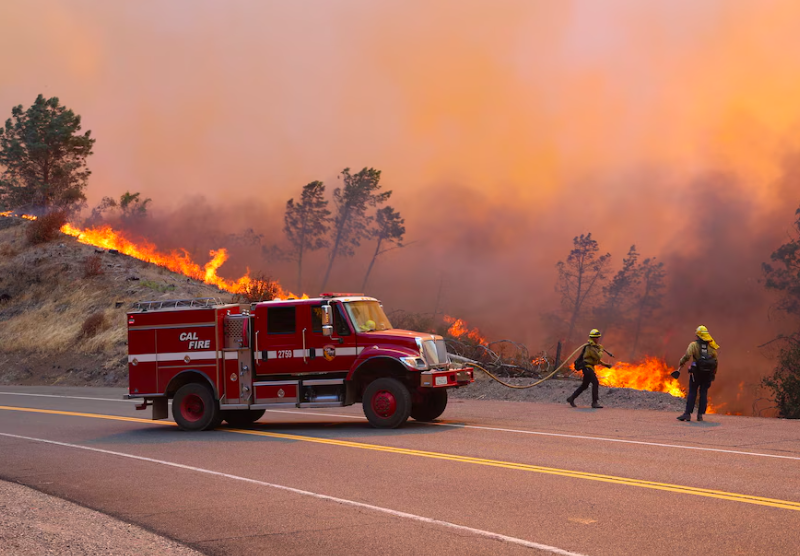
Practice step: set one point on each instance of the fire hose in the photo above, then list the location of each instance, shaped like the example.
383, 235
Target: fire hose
478, 366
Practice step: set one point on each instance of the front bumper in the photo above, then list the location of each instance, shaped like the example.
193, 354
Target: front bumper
446, 378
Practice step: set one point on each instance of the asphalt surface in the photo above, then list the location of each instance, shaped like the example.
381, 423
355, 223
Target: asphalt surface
489, 478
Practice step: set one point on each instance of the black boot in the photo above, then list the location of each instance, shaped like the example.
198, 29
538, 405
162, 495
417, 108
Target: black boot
699, 416
571, 401
596, 405
685, 417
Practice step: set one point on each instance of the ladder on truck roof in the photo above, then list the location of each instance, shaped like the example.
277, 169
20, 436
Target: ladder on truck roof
197, 302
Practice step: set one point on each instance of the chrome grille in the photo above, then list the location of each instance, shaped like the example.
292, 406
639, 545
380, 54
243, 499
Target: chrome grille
435, 352
441, 351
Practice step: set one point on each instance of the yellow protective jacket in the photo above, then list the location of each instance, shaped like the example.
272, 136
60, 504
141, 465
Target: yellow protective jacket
693, 352
592, 354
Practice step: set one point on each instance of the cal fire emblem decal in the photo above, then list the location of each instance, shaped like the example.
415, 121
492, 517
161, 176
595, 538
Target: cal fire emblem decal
329, 352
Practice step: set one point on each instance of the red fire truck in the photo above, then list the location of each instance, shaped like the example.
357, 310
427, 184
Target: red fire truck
233, 362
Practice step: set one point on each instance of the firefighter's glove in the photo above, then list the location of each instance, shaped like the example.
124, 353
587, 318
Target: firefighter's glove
607, 365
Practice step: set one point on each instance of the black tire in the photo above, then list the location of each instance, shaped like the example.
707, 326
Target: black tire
432, 405
387, 403
195, 409
242, 417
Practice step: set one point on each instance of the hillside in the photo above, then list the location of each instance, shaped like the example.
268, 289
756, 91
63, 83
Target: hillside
63, 305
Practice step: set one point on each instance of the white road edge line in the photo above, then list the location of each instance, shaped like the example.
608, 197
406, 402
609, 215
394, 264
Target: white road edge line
478, 427
343, 501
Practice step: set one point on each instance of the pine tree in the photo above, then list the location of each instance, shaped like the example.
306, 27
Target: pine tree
650, 297
619, 293
580, 278
351, 222
388, 231
306, 223
44, 158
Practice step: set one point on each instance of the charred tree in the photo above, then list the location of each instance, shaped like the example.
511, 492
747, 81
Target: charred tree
351, 222
306, 223
580, 278
388, 232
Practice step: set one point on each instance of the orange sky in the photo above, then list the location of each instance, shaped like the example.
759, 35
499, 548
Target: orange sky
505, 127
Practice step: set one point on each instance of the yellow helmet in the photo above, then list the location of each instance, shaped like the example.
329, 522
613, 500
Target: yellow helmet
595, 333
701, 330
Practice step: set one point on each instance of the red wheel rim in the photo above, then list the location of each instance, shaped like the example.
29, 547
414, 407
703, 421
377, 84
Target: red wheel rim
384, 404
192, 408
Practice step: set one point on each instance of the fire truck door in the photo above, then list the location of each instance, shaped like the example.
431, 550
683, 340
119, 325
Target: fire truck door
335, 353
279, 340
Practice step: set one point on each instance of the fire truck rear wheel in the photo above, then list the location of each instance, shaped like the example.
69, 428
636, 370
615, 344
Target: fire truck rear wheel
430, 406
194, 408
387, 403
243, 417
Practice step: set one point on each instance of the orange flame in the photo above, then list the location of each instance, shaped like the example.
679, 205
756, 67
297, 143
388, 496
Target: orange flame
652, 374
181, 262
176, 261
10, 213
459, 330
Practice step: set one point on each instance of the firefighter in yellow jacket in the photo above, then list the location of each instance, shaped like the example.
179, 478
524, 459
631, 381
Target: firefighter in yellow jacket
703, 354
590, 357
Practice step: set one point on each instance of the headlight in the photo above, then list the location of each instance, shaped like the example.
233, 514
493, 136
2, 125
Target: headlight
414, 362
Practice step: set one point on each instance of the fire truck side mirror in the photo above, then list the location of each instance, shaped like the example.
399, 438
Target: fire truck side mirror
327, 330
326, 316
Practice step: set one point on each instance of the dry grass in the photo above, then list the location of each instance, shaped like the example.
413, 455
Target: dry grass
50, 299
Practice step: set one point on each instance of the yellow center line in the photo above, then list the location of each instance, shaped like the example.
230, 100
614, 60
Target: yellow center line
709, 493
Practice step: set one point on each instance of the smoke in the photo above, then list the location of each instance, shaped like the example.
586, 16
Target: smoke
503, 128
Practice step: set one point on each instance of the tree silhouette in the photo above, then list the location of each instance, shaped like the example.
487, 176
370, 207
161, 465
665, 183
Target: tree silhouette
351, 222
44, 158
389, 231
619, 293
130, 207
650, 296
783, 274
580, 278
306, 223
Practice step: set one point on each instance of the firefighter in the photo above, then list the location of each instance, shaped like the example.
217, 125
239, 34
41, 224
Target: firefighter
586, 362
703, 353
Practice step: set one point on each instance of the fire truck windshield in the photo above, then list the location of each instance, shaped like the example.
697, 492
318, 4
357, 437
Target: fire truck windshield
368, 316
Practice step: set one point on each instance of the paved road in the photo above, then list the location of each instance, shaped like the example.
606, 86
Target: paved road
490, 478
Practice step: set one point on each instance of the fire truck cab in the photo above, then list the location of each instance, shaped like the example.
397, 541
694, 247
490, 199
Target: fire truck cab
233, 362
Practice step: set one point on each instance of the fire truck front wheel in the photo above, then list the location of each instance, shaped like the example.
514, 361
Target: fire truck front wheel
387, 403
195, 409
430, 405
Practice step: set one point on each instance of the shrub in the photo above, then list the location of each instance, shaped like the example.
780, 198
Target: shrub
46, 228
156, 286
92, 266
785, 382
93, 324
259, 288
